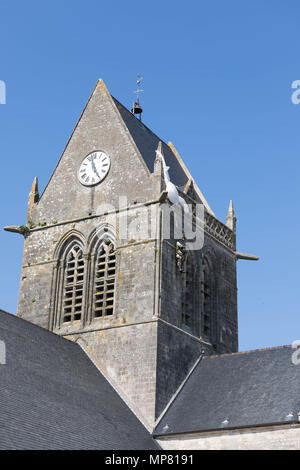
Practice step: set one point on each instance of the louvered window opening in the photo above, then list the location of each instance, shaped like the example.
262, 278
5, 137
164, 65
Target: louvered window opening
73, 287
188, 304
206, 301
105, 280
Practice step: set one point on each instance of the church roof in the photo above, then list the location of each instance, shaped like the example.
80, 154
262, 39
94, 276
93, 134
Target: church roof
53, 397
147, 143
254, 388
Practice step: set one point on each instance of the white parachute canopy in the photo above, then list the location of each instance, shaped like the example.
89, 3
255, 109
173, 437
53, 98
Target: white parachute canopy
171, 189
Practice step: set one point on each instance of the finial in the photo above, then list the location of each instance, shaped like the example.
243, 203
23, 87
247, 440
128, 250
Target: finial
34, 193
159, 151
160, 156
159, 165
231, 219
136, 108
189, 187
158, 174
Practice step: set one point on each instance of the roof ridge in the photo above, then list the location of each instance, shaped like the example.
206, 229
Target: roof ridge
168, 145
37, 326
139, 121
248, 351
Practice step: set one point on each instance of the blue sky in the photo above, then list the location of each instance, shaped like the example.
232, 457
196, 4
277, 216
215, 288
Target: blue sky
217, 83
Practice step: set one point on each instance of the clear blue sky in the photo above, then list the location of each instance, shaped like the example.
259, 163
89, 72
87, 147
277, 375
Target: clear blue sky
217, 81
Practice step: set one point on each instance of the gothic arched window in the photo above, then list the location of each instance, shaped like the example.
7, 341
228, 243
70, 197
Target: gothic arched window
188, 294
73, 284
104, 284
207, 298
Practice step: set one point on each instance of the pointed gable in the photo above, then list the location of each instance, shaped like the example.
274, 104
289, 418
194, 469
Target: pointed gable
99, 128
106, 125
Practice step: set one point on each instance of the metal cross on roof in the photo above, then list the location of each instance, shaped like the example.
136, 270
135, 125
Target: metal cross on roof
136, 108
138, 91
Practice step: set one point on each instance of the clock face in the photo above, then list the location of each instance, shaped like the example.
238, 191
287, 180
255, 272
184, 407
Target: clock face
94, 168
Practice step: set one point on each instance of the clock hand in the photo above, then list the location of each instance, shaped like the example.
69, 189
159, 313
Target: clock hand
94, 166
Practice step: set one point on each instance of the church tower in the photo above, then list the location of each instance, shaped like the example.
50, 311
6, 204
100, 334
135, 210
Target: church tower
98, 269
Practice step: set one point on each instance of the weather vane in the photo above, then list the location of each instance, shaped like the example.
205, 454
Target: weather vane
136, 108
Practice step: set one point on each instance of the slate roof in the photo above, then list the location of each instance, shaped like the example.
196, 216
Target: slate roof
253, 388
53, 397
147, 143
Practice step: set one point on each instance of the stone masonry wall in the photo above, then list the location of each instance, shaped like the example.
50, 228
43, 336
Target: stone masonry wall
224, 336
127, 356
177, 353
272, 438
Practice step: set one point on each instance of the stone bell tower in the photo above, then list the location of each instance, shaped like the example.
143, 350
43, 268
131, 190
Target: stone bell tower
142, 306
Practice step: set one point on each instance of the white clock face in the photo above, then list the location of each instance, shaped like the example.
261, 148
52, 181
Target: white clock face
94, 168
